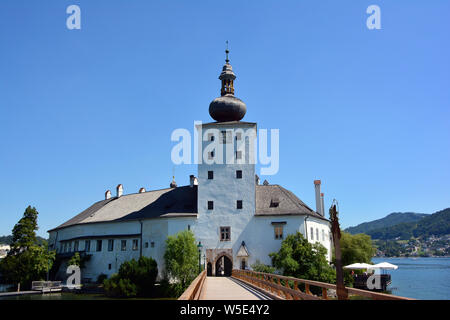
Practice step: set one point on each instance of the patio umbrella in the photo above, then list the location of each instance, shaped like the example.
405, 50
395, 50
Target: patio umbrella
384, 265
356, 266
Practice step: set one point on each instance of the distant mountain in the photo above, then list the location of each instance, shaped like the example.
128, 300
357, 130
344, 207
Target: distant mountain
388, 221
8, 239
5, 239
436, 224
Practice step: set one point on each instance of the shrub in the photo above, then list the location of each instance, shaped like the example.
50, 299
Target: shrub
135, 278
118, 287
260, 267
300, 259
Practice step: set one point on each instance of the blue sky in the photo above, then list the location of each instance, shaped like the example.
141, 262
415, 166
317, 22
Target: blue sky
365, 111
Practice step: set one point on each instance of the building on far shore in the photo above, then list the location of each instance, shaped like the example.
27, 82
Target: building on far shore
4, 249
237, 220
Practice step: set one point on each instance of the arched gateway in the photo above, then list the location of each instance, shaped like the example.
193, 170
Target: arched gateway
224, 266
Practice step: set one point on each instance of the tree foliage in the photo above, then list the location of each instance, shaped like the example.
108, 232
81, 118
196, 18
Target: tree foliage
181, 258
75, 260
356, 248
135, 278
300, 259
27, 260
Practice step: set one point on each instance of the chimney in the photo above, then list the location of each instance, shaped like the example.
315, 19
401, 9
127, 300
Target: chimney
119, 190
107, 194
173, 184
323, 207
141, 190
193, 180
256, 179
318, 202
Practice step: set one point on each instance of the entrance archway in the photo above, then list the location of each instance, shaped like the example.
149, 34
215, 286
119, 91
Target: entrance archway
209, 269
223, 264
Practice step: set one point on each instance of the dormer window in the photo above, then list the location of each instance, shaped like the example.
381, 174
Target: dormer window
274, 203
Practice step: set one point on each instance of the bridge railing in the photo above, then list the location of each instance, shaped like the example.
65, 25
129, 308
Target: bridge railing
194, 291
289, 288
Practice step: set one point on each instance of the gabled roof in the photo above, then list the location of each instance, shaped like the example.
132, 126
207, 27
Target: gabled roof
182, 202
288, 203
170, 202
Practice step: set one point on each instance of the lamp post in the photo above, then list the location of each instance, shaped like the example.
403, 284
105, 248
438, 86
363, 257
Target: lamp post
199, 246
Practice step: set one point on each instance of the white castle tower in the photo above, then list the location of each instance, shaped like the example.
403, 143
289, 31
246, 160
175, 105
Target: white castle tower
226, 174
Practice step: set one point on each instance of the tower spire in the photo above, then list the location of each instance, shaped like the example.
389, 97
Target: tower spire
227, 76
226, 53
227, 107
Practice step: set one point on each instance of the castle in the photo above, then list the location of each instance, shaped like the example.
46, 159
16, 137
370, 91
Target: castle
235, 219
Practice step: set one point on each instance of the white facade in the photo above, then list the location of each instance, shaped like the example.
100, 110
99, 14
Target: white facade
237, 221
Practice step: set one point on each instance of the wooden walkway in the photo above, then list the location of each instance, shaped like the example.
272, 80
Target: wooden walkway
227, 288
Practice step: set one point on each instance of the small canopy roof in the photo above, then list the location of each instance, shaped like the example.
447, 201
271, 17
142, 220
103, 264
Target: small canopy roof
356, 266
243, 251
384, 265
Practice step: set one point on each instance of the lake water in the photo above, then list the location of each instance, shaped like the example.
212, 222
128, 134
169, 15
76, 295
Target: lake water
420, 278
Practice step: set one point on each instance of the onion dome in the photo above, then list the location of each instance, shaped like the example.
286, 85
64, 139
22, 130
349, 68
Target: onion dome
227, 107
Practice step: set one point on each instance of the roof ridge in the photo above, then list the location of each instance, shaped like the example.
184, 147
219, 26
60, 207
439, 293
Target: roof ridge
289, 196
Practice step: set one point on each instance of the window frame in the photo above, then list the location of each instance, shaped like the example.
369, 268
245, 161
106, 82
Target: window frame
99, 246
87, 245
225, 233
110, 245
278, 231
135, 245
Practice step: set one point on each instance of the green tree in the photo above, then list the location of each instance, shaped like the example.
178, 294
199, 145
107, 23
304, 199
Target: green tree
181, 258
24, 232
356, 248
27, 261
300, 259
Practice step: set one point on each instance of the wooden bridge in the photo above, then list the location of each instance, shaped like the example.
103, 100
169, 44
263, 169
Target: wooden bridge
251, 285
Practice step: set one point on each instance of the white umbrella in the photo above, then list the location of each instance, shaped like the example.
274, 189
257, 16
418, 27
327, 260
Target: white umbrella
356, 266
385, 265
